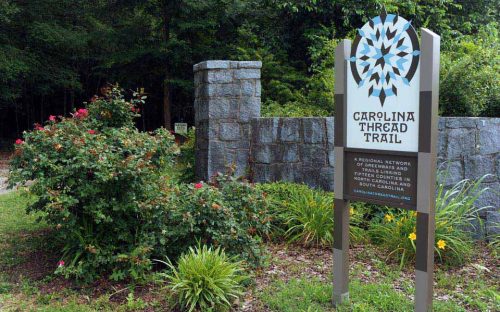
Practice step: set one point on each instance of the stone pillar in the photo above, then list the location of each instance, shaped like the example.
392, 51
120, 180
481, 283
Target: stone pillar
227, 97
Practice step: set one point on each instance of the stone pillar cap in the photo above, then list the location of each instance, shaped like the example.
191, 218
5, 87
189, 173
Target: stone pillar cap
216, 64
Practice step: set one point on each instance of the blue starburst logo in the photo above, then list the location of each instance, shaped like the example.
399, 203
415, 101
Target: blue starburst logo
385, 55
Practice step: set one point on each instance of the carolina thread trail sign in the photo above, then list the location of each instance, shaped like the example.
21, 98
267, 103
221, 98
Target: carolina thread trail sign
386, 98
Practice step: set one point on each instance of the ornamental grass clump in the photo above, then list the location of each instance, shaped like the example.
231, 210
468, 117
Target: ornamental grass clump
206, 279
303, 215
456, 216
90, 172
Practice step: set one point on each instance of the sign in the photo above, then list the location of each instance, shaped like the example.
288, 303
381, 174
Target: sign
383, 83
386, 104
382, 179
181, 128
382, 111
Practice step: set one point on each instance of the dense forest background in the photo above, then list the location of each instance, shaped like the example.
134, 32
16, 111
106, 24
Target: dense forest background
56, 54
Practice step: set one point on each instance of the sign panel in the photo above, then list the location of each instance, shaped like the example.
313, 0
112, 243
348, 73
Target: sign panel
382, 178
383, 86
386, 101
181, 128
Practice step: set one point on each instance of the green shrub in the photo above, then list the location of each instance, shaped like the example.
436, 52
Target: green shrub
455, 215
89, 179
224, 213
186, 158
304, 215
292, 109
470, 75
206, 279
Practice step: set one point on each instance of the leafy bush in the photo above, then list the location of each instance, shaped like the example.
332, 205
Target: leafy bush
185, 160
295, 109
206, 279
224, 213
470, 75
90, 173
455, 215
305, 215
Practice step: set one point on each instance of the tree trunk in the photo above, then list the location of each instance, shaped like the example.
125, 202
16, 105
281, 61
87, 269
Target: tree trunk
18, 133
166, 102
65, 102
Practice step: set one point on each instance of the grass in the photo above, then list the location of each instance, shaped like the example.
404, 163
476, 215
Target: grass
310, 295
378, 286
13, 215
305, 283
16, 229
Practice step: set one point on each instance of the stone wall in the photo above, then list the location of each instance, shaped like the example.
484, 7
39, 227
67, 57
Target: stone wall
293, 149
227, 97
469, 148
231, 133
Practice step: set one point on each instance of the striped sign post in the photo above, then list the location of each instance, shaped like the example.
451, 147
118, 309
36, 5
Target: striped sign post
386, 100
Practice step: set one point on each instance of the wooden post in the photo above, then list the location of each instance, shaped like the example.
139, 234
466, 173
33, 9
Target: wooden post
341, 209
426, 176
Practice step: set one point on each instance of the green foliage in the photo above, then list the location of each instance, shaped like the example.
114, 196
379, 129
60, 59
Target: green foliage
55, 53
206, 279
113, 111
274, 109
185, 160
470, 75
227, 213
455, 215
304, 215
89, 180
309, 217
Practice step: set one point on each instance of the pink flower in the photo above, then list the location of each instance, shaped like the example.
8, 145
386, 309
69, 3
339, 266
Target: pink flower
198, 185
81, 113
39, 127
60, 264
19, 142
91, 131
52, 118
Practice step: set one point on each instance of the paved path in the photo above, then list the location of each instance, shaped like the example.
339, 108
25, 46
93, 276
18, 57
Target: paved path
3, 181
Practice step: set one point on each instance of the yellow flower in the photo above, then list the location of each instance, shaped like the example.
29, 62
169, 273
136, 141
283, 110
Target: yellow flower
441, 244
388, 217
412, 236
351, 211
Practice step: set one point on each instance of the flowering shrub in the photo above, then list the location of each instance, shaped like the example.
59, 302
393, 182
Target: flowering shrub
90, 173
224, 213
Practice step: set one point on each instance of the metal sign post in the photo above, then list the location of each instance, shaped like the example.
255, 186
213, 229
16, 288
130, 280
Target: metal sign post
386, 97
